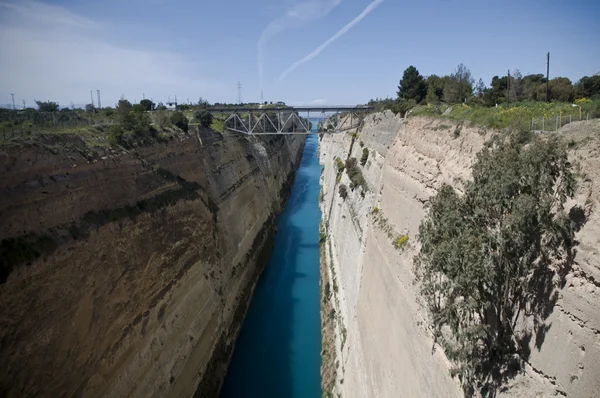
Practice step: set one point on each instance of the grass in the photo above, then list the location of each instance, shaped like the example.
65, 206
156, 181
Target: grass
517, 116
218, 125
401, 241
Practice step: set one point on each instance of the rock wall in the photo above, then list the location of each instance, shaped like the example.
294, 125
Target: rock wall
382, 338
128, 273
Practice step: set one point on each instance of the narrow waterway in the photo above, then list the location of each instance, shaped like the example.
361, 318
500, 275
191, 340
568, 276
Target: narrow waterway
278, 351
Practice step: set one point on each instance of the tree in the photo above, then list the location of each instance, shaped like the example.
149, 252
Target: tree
480, 88
204, 117
530, 87
435, 89
588, 86
202, 103
561, 90
485, 254
179, 120
516, 86
47, 106
412, 85
138, 108
125, 116
147, 104
459, 85
497, 92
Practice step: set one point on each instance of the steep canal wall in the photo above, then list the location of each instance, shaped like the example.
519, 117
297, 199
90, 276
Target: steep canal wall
377, 339
129, 272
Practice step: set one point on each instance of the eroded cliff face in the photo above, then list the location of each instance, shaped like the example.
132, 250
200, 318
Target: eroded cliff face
134, 268
383, 342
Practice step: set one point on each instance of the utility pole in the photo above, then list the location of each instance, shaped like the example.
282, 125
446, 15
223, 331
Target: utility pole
262, 97
508, 88
547, 75
239, 92
92, 98
99, 103
25, 102
13, 99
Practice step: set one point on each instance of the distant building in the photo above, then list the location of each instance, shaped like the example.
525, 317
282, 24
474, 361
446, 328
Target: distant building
172, 106
281, 103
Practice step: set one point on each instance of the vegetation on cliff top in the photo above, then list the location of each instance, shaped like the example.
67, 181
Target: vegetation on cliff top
494, 254
509, 101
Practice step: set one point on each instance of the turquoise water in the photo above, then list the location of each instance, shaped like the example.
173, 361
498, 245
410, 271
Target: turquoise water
278, 351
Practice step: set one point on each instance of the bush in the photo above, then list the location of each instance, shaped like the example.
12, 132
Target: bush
401, 107
355, 175
343, 191
204, 117
485, 254
400, 241
340, 165
179, 120
138, 108
115, 134
365, 157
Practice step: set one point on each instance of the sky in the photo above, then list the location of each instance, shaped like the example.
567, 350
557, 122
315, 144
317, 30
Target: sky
322, 52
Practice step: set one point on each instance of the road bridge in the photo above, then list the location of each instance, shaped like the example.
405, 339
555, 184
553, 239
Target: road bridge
291, 119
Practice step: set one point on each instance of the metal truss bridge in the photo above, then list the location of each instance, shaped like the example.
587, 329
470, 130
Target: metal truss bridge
291, 120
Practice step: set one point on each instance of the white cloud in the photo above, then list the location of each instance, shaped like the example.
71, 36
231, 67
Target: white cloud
47, 14
51, 53
296, 16
333, 38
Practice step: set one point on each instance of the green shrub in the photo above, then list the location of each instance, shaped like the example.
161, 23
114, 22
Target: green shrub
204, 117
365, 157
400, 241
179, 120
138, 108
115, 134
343, 191
340, 165
355, 174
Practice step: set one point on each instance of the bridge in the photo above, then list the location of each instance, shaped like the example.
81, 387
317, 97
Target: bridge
291, 120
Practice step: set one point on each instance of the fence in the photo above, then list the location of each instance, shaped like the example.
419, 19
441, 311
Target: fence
555, 122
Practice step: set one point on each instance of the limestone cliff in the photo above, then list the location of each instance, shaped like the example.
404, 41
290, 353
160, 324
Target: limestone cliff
382, 338
128, 273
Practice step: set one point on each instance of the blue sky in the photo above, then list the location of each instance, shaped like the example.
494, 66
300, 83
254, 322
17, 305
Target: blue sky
59, 50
